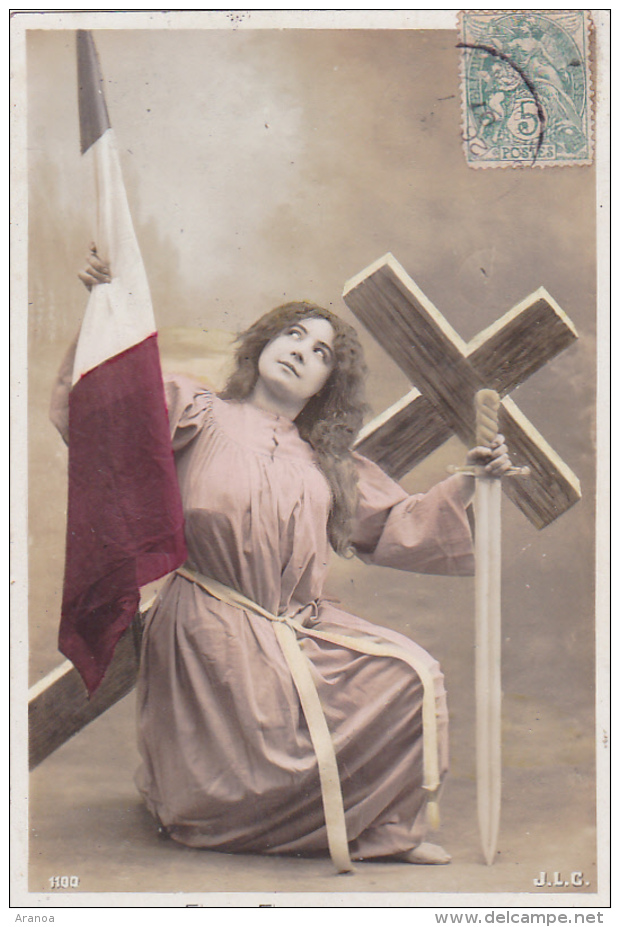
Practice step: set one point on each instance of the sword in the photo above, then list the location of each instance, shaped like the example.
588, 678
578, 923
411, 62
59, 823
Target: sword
488, 543
487, 507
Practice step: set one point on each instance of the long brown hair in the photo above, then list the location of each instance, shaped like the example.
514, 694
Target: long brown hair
331, 419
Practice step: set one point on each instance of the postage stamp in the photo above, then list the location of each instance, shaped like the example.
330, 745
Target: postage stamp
525, 88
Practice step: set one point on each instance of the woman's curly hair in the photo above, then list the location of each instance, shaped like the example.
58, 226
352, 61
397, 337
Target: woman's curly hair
331, 419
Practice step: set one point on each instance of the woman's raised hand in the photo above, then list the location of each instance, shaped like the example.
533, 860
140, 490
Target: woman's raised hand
96, 271
495, 459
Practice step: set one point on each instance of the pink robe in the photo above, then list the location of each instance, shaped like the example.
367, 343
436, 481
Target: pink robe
227, 758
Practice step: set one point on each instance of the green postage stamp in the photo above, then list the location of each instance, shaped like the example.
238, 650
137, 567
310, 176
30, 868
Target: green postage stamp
525, 85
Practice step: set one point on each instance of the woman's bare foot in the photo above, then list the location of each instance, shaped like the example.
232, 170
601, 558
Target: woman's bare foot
426, 854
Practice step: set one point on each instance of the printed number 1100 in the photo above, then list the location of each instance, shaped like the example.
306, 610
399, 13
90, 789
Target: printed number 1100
64, 881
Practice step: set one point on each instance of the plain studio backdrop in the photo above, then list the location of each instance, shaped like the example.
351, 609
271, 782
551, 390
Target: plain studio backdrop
266, 165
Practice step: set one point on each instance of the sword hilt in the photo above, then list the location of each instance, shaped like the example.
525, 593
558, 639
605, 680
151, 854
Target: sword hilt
487, 415
487, 403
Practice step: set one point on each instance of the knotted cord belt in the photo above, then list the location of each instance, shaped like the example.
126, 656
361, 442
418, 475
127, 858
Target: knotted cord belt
286, 630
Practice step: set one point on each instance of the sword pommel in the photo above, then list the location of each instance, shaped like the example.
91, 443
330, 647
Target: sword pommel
487, 411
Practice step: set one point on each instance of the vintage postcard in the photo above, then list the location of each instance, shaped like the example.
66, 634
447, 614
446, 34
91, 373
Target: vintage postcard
335, 657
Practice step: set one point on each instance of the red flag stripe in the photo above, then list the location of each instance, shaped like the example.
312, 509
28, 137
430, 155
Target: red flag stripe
125, 521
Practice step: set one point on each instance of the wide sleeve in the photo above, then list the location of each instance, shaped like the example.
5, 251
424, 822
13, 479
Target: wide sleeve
189, 405
423, 533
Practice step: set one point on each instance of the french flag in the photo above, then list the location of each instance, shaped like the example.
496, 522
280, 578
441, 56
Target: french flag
125, 520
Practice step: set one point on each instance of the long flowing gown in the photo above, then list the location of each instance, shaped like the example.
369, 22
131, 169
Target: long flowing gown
227, 761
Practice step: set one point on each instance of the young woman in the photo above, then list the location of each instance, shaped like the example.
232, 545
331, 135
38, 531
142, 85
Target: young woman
269, 484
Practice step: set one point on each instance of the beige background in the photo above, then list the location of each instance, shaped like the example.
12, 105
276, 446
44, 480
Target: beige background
264, 165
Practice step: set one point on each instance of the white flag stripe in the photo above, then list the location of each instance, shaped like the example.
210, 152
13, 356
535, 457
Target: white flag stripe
119, 314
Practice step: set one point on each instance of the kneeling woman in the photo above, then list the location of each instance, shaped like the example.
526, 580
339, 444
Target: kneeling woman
269, 484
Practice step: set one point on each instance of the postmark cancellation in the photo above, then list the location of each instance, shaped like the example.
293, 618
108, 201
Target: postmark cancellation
526, 88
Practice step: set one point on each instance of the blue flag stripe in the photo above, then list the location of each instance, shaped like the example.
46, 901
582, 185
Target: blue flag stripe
94, 118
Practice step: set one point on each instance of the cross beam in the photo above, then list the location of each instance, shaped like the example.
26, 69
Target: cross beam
59, 706
447, 373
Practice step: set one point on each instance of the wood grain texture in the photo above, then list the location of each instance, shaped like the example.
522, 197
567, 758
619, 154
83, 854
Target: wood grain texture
521, 342
448, 373
551, 487
426, 349
402, 439
59, 706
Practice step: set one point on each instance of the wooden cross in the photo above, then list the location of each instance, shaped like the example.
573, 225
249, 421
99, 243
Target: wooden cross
446, 373
448, 376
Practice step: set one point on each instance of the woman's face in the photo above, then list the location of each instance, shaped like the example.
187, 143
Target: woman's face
296, 364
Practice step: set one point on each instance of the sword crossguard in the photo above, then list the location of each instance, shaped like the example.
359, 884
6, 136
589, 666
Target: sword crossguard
479, 471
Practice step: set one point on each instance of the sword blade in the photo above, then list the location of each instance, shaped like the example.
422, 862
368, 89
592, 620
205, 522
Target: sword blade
488, 661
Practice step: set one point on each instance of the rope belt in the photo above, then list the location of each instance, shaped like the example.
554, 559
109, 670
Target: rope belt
286, 630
